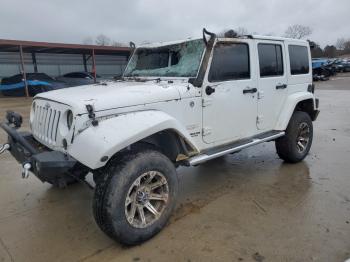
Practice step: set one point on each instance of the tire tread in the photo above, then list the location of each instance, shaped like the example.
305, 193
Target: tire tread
285, 146
103, 192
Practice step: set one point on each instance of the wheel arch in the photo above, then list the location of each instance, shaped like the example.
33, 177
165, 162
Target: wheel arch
307, 106
116, 134
301, 101
171, 143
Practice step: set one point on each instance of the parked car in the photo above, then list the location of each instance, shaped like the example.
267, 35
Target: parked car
322, 69
37, 83
78, 78
179, 104
332, 65
343, 66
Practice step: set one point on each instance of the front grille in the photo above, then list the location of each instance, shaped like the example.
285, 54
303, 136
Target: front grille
45, 123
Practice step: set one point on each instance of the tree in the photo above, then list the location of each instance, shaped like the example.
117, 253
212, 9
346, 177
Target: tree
347, 47
330, 51
316, 51
118, 44
102, 40
298, 31
340, 44
88, 41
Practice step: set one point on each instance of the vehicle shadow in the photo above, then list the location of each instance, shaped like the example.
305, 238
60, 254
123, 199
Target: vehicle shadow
270, 181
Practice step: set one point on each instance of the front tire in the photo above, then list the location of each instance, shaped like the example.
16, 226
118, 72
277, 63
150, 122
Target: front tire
135, 196
296, 144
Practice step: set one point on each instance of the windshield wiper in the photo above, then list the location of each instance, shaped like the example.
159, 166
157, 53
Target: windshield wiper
139, 79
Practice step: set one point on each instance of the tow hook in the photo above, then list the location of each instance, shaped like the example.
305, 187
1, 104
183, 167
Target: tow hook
25, 171
4, 147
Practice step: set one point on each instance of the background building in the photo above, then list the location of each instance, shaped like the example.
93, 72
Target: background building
56, 59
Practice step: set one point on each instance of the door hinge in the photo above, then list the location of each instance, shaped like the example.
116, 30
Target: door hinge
260, 94
206, 102
206, 131
259, 119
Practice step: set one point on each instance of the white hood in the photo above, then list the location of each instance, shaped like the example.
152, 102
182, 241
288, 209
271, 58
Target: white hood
114, 95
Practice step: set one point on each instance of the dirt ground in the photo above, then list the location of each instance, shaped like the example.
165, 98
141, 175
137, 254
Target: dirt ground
248, 206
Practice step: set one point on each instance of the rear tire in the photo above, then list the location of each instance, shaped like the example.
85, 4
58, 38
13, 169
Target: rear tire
135, 195
296, 144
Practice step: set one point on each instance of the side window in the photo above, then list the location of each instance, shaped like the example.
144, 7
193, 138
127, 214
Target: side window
230, 62
299, 60
270, 60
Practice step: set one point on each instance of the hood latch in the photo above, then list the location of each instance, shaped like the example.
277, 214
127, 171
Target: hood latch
92, 115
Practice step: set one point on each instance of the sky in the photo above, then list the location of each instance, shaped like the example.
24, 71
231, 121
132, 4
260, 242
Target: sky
74, 21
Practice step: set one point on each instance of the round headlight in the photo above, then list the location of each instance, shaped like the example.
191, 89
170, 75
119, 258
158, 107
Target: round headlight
69, 119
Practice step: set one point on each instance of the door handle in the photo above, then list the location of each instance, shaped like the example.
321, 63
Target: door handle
209, 90
250, 90
284, 86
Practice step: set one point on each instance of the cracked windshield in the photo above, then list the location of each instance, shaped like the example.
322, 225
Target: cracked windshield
179, 60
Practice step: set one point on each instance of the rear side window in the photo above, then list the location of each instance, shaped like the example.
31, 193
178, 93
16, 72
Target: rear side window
230, 62
270, 60
299, 60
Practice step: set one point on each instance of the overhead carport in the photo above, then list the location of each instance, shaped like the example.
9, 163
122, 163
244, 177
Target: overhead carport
86, 51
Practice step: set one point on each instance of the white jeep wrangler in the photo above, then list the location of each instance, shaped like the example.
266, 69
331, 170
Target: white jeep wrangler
179, 103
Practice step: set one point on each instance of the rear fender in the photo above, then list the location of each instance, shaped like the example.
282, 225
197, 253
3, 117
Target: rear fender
289, 107
95, 145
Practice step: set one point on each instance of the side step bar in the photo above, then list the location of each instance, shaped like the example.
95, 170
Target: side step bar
205, 157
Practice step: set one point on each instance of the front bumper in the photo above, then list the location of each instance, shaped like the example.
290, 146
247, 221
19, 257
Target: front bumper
46, 164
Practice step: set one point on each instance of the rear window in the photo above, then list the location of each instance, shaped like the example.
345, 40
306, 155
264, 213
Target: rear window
299, 60
230, 62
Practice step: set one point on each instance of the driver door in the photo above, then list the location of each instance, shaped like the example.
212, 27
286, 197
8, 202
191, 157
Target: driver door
230, 93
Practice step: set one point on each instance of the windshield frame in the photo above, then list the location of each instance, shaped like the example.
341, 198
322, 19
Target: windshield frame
160, 45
